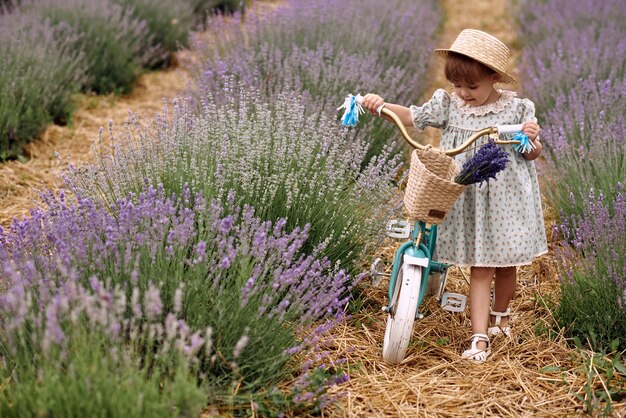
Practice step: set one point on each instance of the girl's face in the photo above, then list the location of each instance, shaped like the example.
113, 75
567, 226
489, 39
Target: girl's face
479, 92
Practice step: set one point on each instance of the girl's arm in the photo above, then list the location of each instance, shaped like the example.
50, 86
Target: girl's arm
372, 102
531, 129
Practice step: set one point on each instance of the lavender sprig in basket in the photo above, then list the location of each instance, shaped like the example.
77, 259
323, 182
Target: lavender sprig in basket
489, 160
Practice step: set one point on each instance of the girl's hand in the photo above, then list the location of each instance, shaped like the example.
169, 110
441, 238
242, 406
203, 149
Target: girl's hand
371, 102
531, 130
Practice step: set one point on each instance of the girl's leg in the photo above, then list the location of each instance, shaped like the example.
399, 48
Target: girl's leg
504, 290
480, 294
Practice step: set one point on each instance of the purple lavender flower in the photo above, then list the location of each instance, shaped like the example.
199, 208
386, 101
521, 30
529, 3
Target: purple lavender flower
489, 160
152, 304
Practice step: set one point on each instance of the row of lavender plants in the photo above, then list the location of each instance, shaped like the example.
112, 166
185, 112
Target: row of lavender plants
322, 51
574, 68
155, 308
213, 245
53, 48
274, 156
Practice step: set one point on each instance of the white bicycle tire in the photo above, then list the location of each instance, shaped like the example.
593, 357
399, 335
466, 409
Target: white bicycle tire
400, 325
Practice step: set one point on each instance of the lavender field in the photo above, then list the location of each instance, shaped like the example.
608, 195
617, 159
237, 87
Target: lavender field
203, 261
575, 67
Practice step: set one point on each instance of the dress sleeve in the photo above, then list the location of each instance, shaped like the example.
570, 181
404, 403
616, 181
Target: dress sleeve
526, 111
432, 113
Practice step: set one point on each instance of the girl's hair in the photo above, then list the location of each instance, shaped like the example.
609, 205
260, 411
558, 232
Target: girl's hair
460, 68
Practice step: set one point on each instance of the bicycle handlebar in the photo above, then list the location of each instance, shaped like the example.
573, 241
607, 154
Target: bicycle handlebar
494, 130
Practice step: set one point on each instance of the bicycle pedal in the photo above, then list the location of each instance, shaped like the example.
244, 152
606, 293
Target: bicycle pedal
398, 229
453, 302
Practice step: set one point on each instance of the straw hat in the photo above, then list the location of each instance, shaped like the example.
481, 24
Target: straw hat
484, 48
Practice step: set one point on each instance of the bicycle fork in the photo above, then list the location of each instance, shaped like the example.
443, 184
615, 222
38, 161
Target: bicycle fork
418, 251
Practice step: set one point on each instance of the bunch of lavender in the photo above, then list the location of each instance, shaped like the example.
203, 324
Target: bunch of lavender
216, 267
592, 263
115, 43
271, 153
318, 49
40, 70
489, 160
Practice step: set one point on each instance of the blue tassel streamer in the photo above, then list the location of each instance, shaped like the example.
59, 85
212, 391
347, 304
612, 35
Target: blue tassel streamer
525, 144
352, 111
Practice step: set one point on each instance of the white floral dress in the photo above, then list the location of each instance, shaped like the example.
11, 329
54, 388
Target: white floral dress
499, 223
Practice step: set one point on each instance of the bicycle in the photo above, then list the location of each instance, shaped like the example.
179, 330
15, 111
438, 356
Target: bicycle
415, 260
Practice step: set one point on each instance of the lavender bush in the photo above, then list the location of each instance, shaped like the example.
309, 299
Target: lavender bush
115, 43
71, 351
323, 51
587, 136
174, 268
287, 164
39, 72
168, 21
574, 62
574, 67
565, 45
593, 270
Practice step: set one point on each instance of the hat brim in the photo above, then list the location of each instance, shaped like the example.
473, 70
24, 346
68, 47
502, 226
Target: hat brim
505, 78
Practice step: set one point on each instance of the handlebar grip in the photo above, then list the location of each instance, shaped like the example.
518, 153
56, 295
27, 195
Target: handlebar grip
509, 129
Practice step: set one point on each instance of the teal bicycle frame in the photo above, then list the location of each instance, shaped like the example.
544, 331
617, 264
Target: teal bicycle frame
422, 244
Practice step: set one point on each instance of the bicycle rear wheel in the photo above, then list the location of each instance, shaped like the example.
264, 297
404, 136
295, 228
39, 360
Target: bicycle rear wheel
404, 309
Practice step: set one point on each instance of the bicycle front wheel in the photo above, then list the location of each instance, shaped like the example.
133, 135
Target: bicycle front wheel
404, 310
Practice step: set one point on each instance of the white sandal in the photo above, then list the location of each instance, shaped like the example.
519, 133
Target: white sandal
476, 354
497, 329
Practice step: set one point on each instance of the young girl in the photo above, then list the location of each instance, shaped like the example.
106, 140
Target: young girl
496, 226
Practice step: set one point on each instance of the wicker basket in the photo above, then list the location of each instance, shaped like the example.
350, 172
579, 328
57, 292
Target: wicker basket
431, 190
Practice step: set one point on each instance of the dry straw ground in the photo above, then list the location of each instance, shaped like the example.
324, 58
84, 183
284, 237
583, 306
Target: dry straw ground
534, 373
